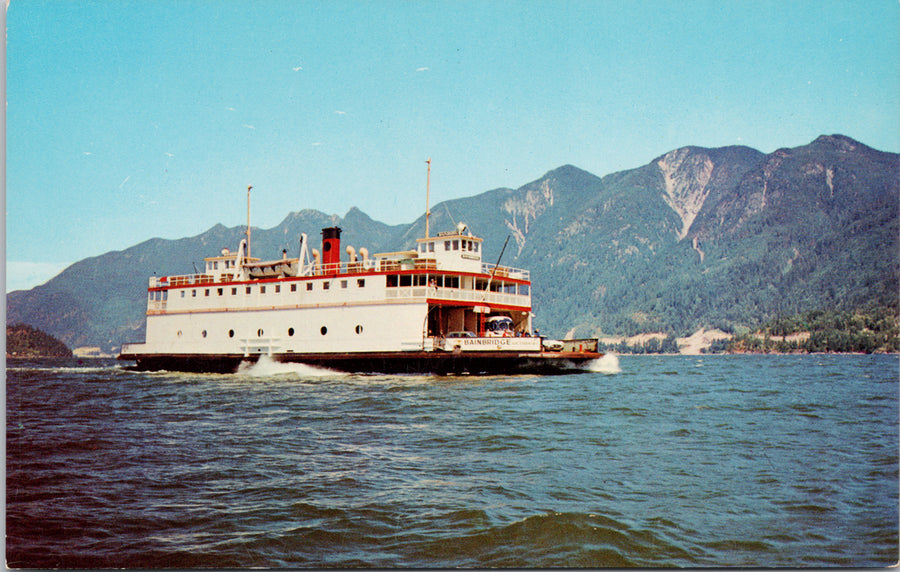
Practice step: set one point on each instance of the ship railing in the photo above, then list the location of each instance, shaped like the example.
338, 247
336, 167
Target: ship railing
456, 294
412, 264
182, 280
339, 268
506, 271
342, 268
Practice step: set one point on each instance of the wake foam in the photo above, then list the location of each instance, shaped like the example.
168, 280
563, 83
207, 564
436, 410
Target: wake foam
265, 366
608, 364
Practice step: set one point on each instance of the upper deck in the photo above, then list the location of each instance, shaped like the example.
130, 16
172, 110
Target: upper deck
446, 269
455, 251
412, 265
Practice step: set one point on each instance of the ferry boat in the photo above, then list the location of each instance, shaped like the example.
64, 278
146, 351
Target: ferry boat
438, 308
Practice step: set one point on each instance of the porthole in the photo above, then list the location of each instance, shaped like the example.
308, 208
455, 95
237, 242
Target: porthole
203, 333
259, 332
179, 334
290, 331
359, 329
324, 330
230, 333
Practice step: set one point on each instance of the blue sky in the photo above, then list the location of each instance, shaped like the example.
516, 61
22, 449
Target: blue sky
129, 120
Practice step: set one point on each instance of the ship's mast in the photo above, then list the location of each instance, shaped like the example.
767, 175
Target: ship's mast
427, 196
248, 220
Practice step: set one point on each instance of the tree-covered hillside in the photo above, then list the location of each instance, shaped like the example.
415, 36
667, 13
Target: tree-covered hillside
23, 340
866, 331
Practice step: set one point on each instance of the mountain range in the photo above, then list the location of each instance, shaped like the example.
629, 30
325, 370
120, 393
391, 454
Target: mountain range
726, 238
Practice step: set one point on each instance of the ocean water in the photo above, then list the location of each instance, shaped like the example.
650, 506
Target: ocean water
687, 461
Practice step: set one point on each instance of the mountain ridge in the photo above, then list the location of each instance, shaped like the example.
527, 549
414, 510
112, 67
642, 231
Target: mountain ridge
698, 237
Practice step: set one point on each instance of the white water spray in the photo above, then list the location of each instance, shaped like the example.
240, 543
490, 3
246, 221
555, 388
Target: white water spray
608, 364
265, 366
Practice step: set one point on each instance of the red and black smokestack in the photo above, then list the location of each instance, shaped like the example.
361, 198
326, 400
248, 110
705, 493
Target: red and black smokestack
331, 249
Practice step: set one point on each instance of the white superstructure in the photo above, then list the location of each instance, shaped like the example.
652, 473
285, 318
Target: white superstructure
409, 301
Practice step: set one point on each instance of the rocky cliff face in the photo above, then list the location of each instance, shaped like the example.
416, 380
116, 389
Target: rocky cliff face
686, 174
525, 209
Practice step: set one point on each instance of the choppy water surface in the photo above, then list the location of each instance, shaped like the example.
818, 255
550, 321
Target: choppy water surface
654, 461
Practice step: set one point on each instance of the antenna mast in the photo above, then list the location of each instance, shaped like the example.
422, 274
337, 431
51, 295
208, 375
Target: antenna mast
427, 196
248, 220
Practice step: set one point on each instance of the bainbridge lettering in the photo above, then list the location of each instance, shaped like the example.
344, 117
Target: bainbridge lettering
486, 342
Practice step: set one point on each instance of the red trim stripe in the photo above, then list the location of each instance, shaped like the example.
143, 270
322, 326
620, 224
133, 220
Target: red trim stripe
290, 279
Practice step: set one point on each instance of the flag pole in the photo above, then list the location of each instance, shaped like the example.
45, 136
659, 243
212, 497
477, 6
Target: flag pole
427, 196
248, 220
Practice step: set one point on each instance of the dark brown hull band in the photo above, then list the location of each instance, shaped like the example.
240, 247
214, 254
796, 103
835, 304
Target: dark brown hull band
441, 363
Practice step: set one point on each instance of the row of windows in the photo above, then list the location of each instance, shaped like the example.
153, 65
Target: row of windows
263, 289
439, 281
261, 332
214, 265
450, 245
393, 281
